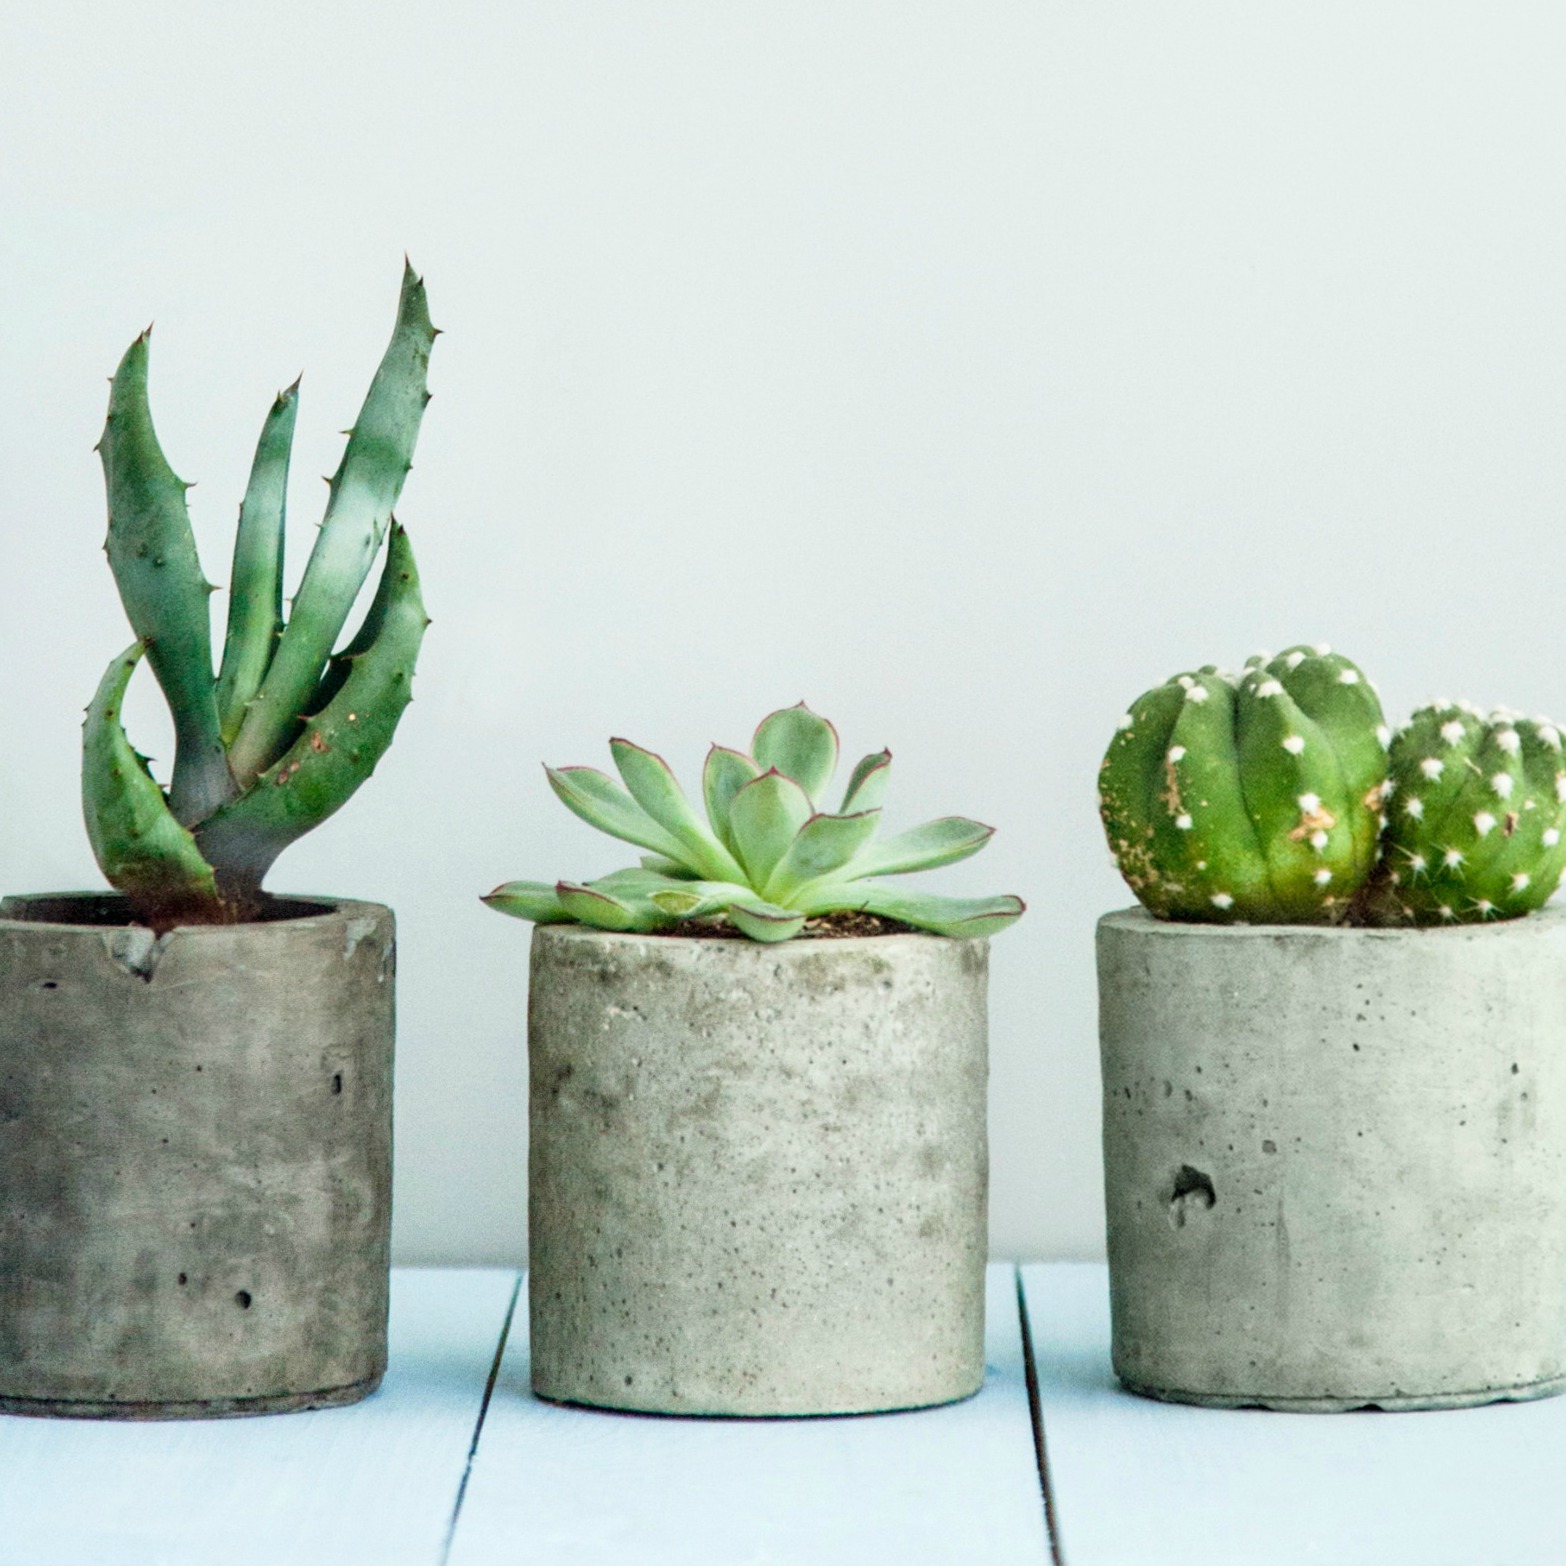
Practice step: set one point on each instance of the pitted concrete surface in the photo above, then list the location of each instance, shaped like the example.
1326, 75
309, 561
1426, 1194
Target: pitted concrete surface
195, 1160
758, 1172
1335, 1161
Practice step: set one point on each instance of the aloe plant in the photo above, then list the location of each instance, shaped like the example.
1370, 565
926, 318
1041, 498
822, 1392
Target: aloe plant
767, 857
286, 730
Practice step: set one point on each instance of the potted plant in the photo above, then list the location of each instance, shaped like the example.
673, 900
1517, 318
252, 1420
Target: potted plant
195, 1076
1332, 1046
757, 1094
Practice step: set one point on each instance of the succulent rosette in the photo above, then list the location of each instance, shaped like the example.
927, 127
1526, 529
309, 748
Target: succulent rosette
764, 856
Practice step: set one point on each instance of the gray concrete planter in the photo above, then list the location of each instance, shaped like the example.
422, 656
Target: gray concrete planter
758, 1172
195, 1159
1335, 1161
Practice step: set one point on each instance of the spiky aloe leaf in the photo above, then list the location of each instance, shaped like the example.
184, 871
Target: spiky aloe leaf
605, 804
654, 787
800, 744
340, 745
962, 917
726, 772
255, 589
140, 847
363, 492
765, 922
153, 555
535, 900
823, 846
867, 783
764, 817
941, 842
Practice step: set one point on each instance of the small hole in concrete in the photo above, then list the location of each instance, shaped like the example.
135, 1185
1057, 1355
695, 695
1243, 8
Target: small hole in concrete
183, 1280
50, 984
1193, 1191
243, 1300
337, 1082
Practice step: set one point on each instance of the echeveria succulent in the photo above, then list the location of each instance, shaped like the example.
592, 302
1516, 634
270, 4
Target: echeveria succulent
1475, 821
1251, 797
285, 732
768, 856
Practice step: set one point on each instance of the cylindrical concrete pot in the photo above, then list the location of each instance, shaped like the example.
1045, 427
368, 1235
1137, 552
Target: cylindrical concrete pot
1335, 1161
758, 1172
195, 1159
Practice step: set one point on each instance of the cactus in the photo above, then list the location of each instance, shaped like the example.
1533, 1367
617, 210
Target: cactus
767, 858
1254, 797
1475, 818
286, 731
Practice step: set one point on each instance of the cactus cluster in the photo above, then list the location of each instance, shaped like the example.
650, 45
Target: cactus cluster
1279, 796
287, 729
768, 857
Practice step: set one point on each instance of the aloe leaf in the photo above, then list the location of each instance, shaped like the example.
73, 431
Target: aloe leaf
535, 900
339, 746
726, 772
653, 785
941, 842
255, 588
867, 785
143, 851
363, 491
823, 846
153, 554
962, 917
765, 816
603, 803
606, 911
764, 922
801, 744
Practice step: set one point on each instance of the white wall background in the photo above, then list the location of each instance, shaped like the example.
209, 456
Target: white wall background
963, 367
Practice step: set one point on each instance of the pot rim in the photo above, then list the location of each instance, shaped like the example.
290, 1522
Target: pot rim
670, 939
322, 909
1137, 919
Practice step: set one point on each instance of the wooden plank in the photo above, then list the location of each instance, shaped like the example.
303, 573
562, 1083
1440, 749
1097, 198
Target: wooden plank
371, 1485
948, 1485
1140, 1483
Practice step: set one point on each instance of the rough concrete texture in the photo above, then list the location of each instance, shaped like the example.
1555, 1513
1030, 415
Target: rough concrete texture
195, 1159
758, 1172
1335, 1161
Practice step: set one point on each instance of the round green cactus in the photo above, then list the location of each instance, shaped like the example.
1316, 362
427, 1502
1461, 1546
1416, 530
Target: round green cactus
1475, 818
1252, 797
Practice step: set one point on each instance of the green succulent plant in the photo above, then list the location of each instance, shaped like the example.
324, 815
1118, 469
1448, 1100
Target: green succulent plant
1254, 797
1476, 817
287, 730
767, 857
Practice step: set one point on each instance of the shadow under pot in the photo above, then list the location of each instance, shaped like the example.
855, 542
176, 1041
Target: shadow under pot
195, 1159
757, 1172
1335, 1161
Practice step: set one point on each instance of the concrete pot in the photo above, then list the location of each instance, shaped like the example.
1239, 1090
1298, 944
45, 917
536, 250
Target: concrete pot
1335, 1161
195, 1159
757, 1172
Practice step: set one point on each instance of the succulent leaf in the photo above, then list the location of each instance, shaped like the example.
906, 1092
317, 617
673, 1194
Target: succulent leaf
941, 842
340, 745
764, 922
654, 787
608, 910
535, 900
800, 744
364, 490
153, 555
823, 846
963, 917
726, 772
867, 783
140, 847
255, 589
765, 816
605, 804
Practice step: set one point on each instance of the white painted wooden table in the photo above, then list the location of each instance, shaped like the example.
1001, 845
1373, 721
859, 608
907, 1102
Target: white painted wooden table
454, 1461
